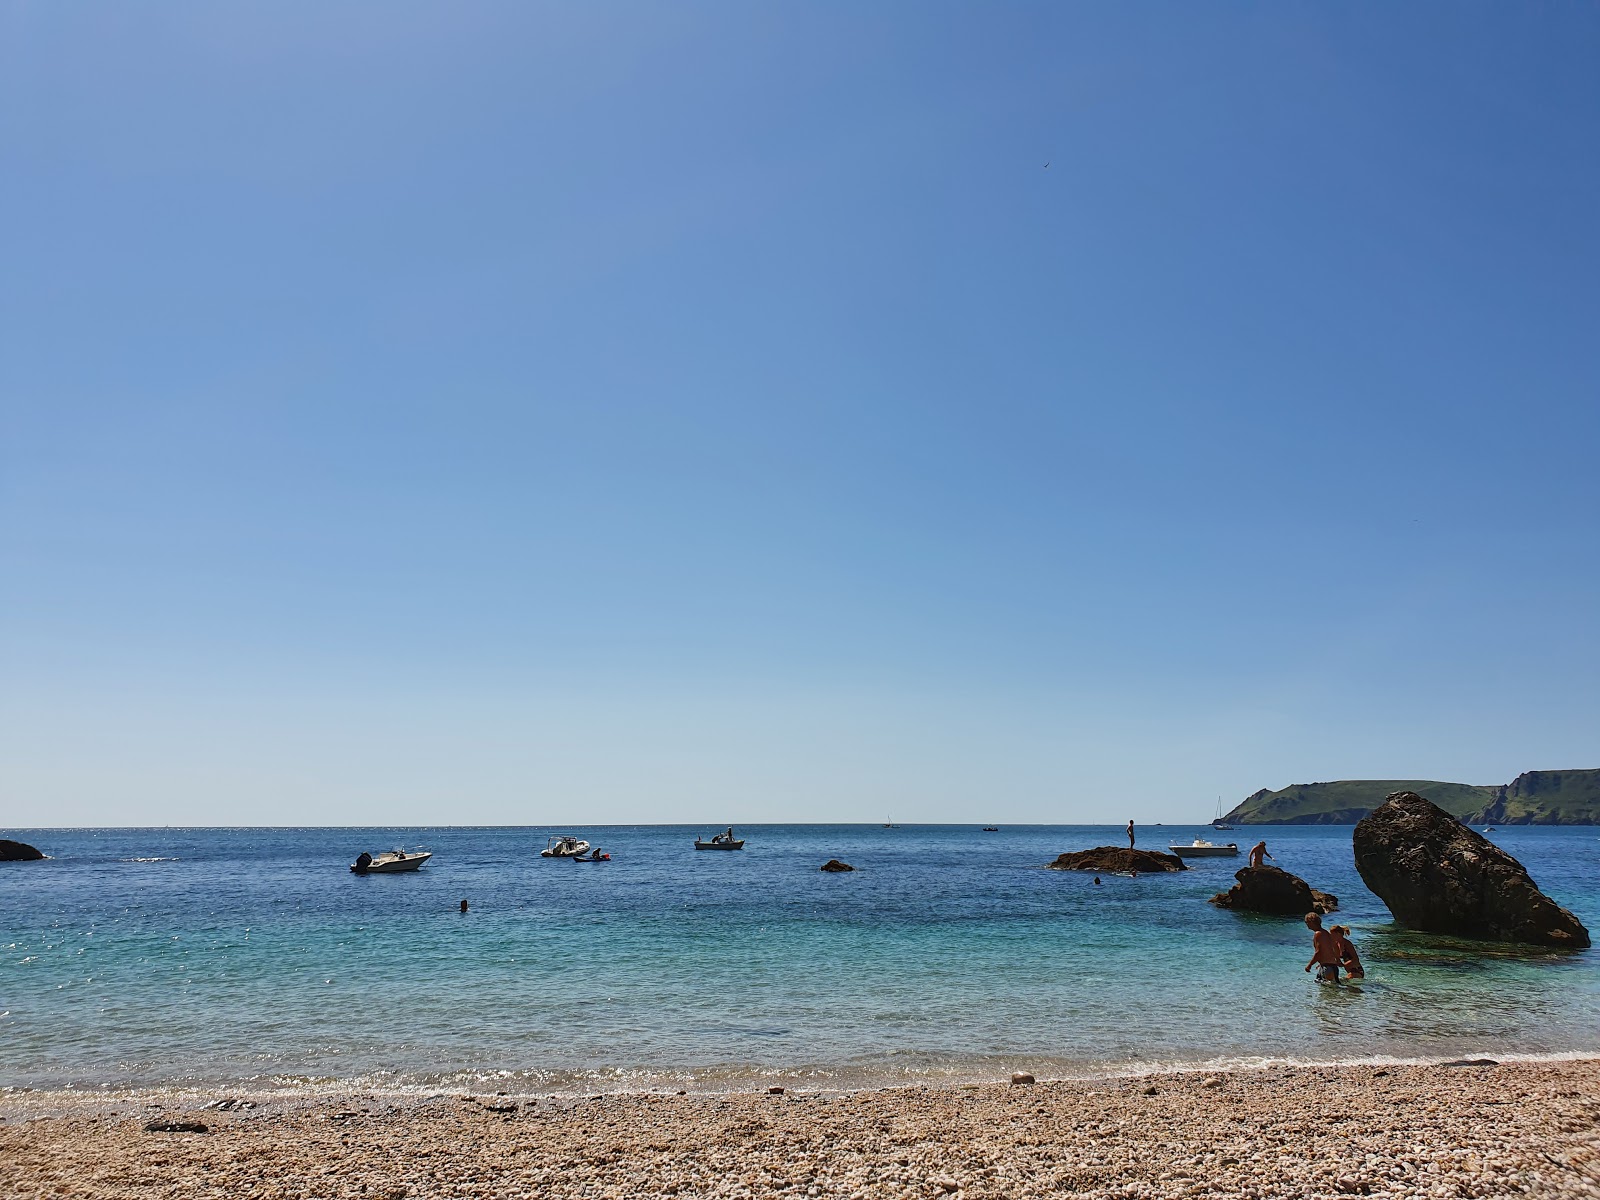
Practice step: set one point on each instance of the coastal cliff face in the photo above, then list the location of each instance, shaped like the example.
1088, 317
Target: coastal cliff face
1544, 798
1533, 798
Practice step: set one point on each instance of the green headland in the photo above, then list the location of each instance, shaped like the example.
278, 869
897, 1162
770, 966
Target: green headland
1532, 798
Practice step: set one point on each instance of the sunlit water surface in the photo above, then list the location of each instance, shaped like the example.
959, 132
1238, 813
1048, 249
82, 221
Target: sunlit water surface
209, 956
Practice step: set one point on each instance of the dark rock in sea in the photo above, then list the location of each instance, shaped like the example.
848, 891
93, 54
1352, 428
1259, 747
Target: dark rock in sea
1437, 875
1273, 890
18, 852
1118, 860
833, 864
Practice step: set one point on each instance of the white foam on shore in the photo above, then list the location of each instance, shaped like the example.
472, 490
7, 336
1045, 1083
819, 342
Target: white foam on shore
297, 1090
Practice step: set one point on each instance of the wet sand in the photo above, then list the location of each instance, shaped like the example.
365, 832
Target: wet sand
1513, 1129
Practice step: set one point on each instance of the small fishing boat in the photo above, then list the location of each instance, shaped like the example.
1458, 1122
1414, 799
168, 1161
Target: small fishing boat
564, 845
1200, 848
720, 841
991, 829
389, 862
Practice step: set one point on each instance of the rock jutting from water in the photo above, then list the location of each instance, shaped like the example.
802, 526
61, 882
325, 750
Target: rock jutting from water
18, 852
833, 864
1438, 876
1115, 860
1273, 890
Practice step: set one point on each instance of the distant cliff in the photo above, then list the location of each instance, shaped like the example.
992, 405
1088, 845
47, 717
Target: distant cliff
1545, 798
1532, 798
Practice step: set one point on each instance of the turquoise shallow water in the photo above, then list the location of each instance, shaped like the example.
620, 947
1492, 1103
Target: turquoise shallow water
145, 956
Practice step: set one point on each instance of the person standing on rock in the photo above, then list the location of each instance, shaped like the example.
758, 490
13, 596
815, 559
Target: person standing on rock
1130, 835
1324, 950
1258, 852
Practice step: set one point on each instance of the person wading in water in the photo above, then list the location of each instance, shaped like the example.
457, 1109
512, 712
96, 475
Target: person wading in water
1324, 950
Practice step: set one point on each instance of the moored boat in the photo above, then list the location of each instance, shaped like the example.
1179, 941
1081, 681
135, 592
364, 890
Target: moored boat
390, 862
720, 841
1200, 848
1217, 822
564, 845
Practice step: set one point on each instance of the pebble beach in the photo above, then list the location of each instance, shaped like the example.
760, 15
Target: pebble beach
1480, 1130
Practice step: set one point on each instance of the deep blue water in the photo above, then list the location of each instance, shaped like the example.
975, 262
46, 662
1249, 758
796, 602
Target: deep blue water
141, 956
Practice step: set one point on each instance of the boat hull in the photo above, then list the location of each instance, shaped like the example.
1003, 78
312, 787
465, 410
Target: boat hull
393, 866
1228, 851
734, 845
565, 849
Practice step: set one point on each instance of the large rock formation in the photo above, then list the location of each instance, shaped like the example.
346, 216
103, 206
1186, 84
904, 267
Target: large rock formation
1437, 875
1272, 890
1115, 860
18, 852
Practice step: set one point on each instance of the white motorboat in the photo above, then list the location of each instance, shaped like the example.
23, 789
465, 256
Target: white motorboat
389, 862
564, 845
720, 841
1200, 848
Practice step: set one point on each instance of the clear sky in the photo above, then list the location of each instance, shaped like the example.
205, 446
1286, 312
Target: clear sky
540, 413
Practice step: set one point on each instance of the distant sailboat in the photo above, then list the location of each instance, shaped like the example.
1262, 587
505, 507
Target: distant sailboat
1217, 822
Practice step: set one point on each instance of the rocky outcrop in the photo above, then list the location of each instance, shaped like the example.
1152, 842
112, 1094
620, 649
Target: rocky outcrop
1437, 875
833, 864
18, 852
1272, 890
1118, 860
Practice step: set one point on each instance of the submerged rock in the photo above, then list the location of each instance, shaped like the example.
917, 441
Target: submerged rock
1118, 860
1273, 890
1437, 875
18, 852
833, 864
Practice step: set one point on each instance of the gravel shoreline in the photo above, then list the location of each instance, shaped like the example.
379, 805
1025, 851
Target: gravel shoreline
1525, 1128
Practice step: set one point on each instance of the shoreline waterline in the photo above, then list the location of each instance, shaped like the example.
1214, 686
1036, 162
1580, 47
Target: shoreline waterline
818, 1081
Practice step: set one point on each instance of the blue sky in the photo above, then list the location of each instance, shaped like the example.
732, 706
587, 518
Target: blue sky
537, 413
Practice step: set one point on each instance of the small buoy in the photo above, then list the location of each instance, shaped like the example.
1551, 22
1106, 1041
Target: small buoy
463, 906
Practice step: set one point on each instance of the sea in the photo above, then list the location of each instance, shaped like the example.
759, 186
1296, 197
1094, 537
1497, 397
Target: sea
220, 958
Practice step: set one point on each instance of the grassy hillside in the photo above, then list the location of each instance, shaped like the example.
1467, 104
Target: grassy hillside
1346, 801
1545, 798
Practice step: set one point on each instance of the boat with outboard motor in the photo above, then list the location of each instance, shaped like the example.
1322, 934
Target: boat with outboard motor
390, 862
720, 841
564, 845
1200, 848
